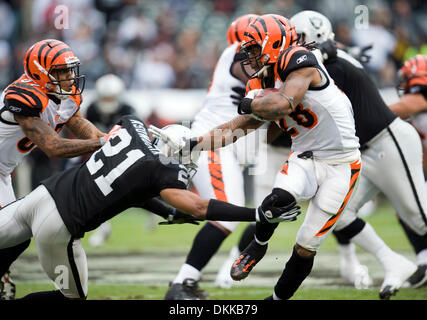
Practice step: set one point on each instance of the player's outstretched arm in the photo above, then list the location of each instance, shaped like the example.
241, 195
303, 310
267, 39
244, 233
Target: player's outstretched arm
48, 140
215, 210
409, 104
83, 128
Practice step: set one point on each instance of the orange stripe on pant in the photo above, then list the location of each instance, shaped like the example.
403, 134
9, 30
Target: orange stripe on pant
215, 170
284, 168
355, 170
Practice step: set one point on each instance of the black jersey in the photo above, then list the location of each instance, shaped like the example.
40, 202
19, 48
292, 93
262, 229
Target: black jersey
371, 114
125, 172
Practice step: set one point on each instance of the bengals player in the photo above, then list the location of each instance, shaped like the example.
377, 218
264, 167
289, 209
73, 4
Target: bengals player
33, 110
324, 164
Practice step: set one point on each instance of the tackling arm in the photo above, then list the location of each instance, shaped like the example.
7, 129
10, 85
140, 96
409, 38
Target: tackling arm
48, 140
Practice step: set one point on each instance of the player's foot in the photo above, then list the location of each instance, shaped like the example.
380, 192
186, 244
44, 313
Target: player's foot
187, 290
356, 273
253, 254
101, 234
223, 279
7, 287
397, 271
418, 278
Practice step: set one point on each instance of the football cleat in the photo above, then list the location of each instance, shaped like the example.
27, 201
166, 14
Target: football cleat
418, 278
223, 279
397, 271
7, 287
187, 290
247, 260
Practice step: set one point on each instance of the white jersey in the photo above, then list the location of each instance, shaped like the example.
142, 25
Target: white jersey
323, 122
14, 145
218, 107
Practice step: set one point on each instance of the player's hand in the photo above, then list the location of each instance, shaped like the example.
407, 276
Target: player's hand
176, 144
359, 53
275, 214
238, 96
179, 217
113, 132
328, 49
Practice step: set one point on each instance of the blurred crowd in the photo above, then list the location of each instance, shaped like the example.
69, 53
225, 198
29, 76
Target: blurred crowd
175, 44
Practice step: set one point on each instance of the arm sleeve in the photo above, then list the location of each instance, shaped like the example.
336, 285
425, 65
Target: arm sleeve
294, 58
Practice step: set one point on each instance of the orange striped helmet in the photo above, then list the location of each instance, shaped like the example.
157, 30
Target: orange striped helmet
264, 39
50, 55
412, 73
238, 26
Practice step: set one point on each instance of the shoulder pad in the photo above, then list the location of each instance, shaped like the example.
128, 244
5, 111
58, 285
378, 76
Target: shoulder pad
25, 99
294, 58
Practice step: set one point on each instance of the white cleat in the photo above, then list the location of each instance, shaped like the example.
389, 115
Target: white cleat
357, 274
223, 278
397, 271
100, 235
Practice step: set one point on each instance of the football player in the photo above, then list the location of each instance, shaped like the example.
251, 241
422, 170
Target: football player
128, 171
219, 175
33, 111
324, 164
412, 106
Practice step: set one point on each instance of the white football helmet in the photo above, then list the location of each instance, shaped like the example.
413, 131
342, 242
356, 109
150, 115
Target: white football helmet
312, 26
178, 134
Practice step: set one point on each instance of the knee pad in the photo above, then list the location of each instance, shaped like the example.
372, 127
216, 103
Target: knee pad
279, 198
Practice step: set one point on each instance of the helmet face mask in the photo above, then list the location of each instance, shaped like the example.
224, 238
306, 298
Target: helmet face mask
184, 157
254, 60
63, 79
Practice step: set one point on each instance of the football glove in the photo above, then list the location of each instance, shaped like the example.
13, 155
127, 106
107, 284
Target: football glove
277, 214
328, 49
178, 217
238, 95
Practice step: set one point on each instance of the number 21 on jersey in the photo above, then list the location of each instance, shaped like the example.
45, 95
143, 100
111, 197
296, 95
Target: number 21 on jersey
104, 182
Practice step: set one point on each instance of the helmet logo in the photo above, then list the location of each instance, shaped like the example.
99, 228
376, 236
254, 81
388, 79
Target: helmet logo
71, 60
316, 22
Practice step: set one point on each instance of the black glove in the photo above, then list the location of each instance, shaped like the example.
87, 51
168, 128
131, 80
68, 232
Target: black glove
268, 212
179, 217
328, 49
244, 106
238, 96
359, 53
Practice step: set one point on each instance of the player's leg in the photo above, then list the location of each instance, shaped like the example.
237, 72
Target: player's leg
8, 255
336, 185
296, 181
61, 256
218, 177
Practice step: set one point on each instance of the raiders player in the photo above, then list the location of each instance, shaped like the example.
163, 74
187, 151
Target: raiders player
324, 164
127, 171
33, 110
412, 106
219, 174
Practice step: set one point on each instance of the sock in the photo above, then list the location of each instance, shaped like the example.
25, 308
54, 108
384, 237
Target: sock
296, 270
345, 234
264, 231
422, 257
348, 253
418, 242
371, 242
9, 255
205, 245
247, 236
45, 296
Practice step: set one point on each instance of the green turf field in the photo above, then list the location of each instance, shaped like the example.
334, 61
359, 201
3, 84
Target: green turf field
116, 273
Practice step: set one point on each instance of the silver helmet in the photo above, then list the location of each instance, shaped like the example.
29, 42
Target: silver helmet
312, 26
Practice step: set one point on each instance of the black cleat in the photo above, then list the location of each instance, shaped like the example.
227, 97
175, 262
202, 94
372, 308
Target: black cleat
187, 290
7, 287
387, 292
418, 278
253, 254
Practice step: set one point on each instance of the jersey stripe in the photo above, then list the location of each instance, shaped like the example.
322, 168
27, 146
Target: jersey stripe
215, 171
